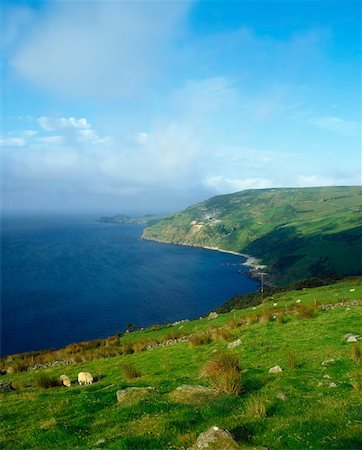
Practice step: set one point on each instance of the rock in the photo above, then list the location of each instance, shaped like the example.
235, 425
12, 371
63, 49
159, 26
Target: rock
328, 377
327, 361
275, 304
352, 290
212, 315
216, 438
333, 385
133, 392
298, 301
350, 337
6, 386
234, 344
275, 369
281, 396
193, 388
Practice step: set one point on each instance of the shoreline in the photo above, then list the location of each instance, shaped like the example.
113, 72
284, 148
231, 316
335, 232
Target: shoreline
251, 262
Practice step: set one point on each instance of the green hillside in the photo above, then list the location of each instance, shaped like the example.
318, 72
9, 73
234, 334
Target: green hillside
297, 232
314, 402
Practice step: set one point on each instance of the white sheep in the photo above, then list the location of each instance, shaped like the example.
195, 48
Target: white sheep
85, 378
65, 380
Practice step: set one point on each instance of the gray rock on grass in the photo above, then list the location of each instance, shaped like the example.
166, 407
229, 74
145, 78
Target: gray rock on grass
132, 392
234, 344
275, 369
216, 438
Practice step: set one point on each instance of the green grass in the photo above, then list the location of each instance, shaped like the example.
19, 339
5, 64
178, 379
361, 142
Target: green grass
314, 415
297, 232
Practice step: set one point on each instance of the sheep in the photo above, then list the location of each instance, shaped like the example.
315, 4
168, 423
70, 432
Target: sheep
65, 380
85, 378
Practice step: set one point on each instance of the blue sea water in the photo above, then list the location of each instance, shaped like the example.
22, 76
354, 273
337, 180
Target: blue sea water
67, 280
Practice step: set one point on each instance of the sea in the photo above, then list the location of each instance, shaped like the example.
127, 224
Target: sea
71, 279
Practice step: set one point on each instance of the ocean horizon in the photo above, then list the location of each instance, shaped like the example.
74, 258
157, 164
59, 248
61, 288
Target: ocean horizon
72, 279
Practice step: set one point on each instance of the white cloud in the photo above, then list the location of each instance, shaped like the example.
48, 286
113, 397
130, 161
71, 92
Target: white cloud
337, 125
56, 124
225, 185
50, 140
12, 141
29, 133
97, 49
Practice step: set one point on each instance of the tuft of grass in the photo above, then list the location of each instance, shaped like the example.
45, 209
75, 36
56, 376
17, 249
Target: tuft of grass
46, 381
224, 373
267, 315
221, 334
306, 311
281, 318
357, 353
291, 359
356, 381
131, 371
255, 408
128, 348
200, 339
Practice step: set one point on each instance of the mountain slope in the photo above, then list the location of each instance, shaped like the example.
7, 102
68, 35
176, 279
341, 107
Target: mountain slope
315, 402
296, 232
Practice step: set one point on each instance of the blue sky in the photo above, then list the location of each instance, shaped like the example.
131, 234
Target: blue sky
145, 106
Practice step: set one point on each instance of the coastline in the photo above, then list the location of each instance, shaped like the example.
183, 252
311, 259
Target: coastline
251, 262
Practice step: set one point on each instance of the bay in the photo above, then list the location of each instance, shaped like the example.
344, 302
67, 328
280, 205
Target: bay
68, 280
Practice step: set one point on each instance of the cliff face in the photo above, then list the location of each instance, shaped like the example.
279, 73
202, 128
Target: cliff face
297, 232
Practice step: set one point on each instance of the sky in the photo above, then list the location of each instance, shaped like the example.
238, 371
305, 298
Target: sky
143, 107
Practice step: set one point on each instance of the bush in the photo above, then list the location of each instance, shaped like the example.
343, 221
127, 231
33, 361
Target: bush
200, 339
255, 407
221, 334
127, 348
357, 353
18, 366
224, 373
306, 311
131, 371
46, 381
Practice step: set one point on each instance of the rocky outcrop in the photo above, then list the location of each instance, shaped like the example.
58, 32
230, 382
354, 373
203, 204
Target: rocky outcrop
216, 438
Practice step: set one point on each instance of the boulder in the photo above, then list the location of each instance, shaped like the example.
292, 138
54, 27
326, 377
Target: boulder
333, 385
275, 369
234, 344
328, 377
281, 396
6, 386
212, 315
132, 393
350, 338
216, 438
195, 394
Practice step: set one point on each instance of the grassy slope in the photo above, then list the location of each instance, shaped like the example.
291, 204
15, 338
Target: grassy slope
298, 233
314, 416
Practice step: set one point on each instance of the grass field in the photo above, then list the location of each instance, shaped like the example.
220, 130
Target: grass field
297, 232
293, 409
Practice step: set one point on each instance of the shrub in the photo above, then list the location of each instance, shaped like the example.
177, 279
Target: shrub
46, 381
131, 371
306, 311
221, 334
255, 407
200, 339
357, 353
281, 318
268, 315
224, 373
291, 359
127, 348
